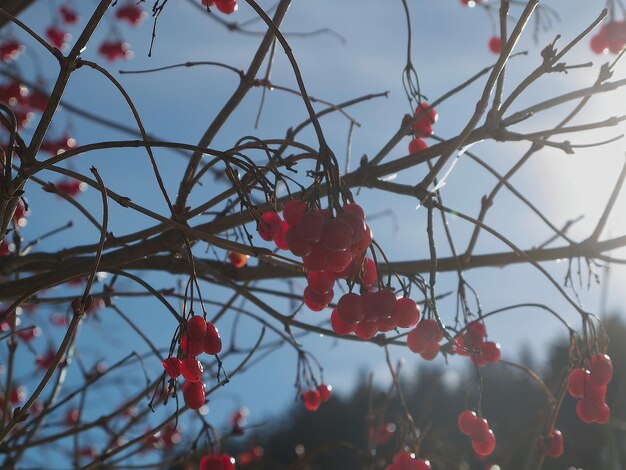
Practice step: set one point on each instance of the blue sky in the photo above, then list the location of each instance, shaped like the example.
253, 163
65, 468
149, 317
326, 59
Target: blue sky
449, 44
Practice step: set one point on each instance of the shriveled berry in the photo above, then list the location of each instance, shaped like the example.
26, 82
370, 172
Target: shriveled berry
191, 368
172, 366
212, 343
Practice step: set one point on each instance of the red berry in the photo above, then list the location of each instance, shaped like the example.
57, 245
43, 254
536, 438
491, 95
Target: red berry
417, 145
385, 324
217, 461
430, 352
321, 281
421, 464
337, 261
554, 444
57, 37
226, 6
425, 112
312, 399
172, 366
238, 260
479, 432
406, 313
603, 413
339, 326
383, 303
316, 301
196, 327
131, 13
587, 409
426, 332
191, 347
68, 15
353, 207
366, 329
293, 210
191, 368
490, 351
281, 238
350, 308
269, 226
495, 44
486, 447
212, 343
576, 382
297, 245
325, 391
600, 43
595, 392
316, 260
310, 226
466, 422
601, 369
369, 275
356, 224
194, 395
365, 242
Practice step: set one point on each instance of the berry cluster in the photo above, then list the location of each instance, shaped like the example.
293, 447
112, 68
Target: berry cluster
114, 50
17, 96
131, 13
58, 146
372, 312
477, 428
406, 461
474, 338
217, 461
225, 6
424, 117
199, 336
330, 247
424, 339
10, 50
590, 386
553, 445
611, 38
315, 397
71, 186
